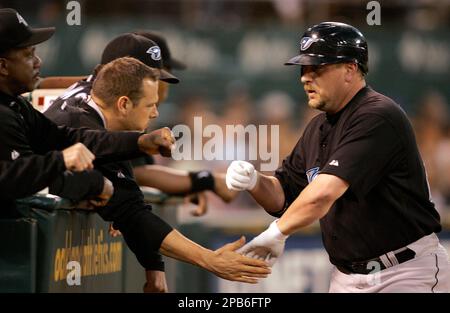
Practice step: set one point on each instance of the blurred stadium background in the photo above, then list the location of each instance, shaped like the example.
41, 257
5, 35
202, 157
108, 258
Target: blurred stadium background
235, 52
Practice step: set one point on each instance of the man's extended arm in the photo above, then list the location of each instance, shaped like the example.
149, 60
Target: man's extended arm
224, 262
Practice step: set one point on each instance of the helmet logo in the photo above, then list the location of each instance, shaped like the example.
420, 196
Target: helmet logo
154, 52
306, 42
21, 19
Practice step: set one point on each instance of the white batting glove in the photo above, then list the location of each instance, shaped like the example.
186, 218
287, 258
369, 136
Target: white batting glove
241, 175
268, 245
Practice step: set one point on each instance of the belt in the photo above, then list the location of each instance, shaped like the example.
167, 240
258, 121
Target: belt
377, 264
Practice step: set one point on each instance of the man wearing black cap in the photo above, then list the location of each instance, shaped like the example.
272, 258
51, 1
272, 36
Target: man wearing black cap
358, 170
26, 136
169, 62
128, 44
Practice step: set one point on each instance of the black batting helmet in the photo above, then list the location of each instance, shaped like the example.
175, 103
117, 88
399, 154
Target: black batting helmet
332, 42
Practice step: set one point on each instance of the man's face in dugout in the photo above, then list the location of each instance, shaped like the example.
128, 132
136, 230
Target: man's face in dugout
21, 66
145, 109
326, 85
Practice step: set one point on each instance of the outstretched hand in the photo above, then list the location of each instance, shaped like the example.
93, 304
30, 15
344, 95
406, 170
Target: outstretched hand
228, 264
201, 202
267, 246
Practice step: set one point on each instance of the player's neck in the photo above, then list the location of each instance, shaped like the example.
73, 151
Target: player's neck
350, 94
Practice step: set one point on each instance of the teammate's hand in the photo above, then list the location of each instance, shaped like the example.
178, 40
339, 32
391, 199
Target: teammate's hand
156, 282
241, 175
200, 200
107, 192
78, 158
160, 141
226, 263
267, 246
113, 232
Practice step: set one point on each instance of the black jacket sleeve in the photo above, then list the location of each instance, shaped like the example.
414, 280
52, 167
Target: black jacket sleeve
77, 186
29, 164
106, 146
28, 175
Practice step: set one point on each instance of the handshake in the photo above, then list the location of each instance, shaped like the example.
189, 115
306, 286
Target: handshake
268, 245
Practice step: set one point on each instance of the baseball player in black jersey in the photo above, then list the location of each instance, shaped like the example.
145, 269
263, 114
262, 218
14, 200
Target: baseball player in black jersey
357, 169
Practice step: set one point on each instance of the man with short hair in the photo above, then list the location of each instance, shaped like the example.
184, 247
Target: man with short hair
357, 170
124, 96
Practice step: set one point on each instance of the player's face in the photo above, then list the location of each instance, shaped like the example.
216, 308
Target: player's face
324, 86
23, 69
146, 108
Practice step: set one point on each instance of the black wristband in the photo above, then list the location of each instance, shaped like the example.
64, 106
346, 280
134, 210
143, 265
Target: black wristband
201, 181
278, 213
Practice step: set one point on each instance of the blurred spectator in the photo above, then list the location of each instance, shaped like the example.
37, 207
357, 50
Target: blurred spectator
431, 126
278, 108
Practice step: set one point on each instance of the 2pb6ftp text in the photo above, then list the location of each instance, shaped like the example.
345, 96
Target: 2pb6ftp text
245, 302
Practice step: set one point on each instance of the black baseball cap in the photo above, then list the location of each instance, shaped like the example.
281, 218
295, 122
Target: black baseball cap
138, 47
15, 32
169, 62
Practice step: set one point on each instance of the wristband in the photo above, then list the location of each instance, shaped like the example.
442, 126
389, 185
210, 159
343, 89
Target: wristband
275, 232
201, 181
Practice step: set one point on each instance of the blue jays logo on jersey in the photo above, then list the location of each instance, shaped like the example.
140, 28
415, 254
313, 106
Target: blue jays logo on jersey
306, 42
312, 173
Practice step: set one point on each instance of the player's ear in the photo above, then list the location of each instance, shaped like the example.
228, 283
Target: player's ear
351, 69
3, 66
123, 104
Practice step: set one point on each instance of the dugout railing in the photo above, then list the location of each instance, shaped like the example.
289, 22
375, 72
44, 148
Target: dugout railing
57, 247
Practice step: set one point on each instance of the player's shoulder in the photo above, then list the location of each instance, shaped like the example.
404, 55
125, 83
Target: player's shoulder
80, 89
9, 111
9, 120
5, 111
69, 112
315, 122
379, 105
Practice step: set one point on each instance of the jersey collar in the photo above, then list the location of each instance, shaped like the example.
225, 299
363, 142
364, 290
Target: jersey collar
90, 102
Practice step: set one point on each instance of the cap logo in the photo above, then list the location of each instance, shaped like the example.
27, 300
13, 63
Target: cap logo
21, 19
306, 42
155, 53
